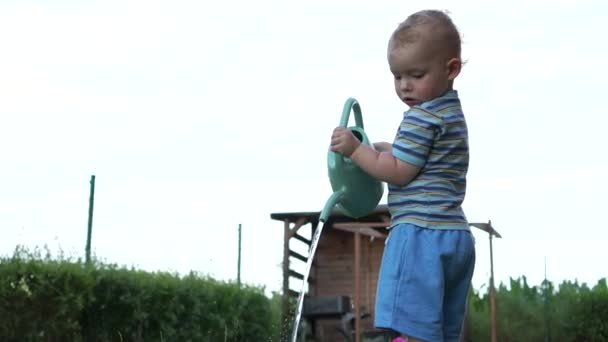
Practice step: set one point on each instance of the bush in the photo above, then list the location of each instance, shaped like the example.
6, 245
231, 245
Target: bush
572, 312
61, 300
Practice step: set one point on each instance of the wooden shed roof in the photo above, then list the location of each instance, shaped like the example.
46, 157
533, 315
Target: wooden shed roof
336, 216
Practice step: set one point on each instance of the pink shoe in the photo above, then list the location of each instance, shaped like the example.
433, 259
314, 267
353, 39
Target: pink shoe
399, 339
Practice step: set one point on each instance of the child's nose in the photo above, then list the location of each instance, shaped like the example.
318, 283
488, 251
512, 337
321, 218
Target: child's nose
405, 85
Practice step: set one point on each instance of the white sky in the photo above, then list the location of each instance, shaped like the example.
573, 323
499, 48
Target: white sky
197, 116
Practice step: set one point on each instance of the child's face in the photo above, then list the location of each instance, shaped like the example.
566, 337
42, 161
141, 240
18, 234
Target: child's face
421, 73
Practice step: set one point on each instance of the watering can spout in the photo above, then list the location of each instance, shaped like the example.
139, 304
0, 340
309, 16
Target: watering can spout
330, 204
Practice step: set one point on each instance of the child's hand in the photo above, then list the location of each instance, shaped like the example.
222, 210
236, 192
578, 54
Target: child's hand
344, 141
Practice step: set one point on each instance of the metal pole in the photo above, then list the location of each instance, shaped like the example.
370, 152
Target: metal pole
492, 294
546, 285
238, 276
90, 225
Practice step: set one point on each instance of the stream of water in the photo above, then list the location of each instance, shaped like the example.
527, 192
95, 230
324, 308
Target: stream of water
311, 254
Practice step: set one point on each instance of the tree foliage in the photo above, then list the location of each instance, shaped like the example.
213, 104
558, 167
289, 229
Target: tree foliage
569, 312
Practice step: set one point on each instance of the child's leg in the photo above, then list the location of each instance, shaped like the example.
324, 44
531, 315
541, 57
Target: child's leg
458, 273
410, 284
419, 268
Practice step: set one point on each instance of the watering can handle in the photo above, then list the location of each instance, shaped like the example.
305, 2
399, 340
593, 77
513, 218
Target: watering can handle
351, 104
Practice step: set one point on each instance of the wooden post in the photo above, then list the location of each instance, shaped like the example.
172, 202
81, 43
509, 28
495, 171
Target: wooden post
357, 287
238, 266
546, 306
492, 294
487, 227
90, 224
464, 335
286, 237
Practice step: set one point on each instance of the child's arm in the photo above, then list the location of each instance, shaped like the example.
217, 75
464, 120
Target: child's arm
380, 165
383, 165
383, 146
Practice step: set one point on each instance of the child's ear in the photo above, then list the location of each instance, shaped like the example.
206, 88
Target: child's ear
453, 67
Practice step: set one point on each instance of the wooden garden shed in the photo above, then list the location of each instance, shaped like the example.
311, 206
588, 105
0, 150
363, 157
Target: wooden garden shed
342, 282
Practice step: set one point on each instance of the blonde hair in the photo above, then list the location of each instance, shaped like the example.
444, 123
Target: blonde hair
428, 24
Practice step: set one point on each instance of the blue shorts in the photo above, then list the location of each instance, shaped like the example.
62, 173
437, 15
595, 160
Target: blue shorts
424, 282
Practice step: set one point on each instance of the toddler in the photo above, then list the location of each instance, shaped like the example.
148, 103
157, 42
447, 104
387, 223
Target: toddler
429, 256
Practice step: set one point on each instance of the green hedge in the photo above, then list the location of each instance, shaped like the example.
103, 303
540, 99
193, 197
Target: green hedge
570, 312
54, 299
42, 299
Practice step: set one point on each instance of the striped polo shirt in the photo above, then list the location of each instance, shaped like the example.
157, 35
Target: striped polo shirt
433, 136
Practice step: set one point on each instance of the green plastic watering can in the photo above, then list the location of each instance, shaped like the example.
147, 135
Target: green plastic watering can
356, 193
